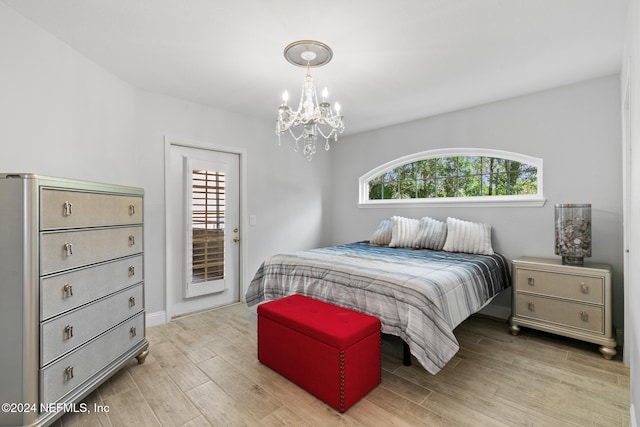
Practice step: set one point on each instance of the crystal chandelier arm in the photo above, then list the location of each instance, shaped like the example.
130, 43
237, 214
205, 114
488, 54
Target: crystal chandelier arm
295, 138
333, 132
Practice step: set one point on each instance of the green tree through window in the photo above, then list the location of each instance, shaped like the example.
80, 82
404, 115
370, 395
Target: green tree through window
454, 176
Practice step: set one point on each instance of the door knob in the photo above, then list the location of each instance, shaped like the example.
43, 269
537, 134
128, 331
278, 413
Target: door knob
236, 239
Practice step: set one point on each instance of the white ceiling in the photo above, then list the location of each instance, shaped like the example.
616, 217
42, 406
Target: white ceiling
394, 61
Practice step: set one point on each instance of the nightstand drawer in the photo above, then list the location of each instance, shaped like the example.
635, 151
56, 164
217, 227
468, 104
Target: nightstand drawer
576, 315
562, 285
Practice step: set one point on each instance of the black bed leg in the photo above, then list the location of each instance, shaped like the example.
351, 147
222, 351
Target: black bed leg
406, 354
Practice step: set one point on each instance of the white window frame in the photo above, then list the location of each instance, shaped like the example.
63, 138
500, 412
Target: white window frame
519, 200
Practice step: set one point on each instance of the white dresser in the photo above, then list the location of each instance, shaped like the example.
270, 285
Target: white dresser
572, 301
71, 292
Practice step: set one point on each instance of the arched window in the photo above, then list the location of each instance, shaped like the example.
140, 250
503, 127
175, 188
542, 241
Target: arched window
454, 176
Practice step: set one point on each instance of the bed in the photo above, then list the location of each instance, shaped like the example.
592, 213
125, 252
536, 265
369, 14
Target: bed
419, 295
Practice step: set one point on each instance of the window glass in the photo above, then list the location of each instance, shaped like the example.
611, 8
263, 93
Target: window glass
207, 225
458, 175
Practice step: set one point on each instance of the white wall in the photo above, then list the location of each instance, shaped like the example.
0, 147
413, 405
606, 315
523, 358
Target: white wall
62, 115
574, 129
285, 192
630, 67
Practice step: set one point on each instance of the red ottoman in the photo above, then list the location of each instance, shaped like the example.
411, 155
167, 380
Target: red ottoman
330, 351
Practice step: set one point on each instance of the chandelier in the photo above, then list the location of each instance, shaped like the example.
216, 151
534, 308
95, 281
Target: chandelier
311, 118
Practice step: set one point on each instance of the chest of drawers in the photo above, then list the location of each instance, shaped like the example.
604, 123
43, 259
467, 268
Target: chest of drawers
72, 306
565, 300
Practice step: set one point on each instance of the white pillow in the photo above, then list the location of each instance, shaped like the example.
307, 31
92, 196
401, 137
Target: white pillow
404, 232
431, 234
382, 235
468, 237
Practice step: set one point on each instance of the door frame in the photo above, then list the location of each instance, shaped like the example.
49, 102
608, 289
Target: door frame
170, 141
626, 110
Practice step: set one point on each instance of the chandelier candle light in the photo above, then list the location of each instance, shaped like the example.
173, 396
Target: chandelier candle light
311, 117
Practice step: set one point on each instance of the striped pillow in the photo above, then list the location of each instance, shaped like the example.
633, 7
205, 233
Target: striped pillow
431, 234
468, 237
404, 232
382, 235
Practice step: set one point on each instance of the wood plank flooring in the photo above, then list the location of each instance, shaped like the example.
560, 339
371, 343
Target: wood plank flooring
202, 370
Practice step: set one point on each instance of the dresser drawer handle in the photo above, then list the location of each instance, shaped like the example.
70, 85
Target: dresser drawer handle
68, 249
132, 301
132, 240
531, 306
531, 281
132, 210
68, 373
68, 290
132, 271
584, 288
67, 209
68, 332
584, 316
132, 332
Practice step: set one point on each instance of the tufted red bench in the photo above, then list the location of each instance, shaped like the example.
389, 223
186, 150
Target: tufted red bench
330, 351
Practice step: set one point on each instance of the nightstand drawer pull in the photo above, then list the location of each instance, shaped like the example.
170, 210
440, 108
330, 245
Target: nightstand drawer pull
132, 210
67, 209
531, 281
531, 306
584, 288
132, 332
584, 316
132, 301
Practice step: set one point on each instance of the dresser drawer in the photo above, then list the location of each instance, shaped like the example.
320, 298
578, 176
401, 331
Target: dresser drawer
64, 375
73, 329
75, 209
562, 285
576, 315
67, 291
61, 251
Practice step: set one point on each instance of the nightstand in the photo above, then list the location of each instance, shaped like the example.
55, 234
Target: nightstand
573, 301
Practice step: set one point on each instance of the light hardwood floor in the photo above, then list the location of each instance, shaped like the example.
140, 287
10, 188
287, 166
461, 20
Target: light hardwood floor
202, 370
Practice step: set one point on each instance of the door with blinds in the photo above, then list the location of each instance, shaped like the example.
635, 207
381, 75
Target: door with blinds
203, 235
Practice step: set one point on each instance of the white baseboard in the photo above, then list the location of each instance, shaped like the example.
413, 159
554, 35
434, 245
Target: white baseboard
157, 318
632, 413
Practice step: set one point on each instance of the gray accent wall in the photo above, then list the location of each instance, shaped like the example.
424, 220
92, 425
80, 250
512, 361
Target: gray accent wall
574, 129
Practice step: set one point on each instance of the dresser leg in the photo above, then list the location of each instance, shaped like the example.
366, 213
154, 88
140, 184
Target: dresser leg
514, 329
608, 352
142, 356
